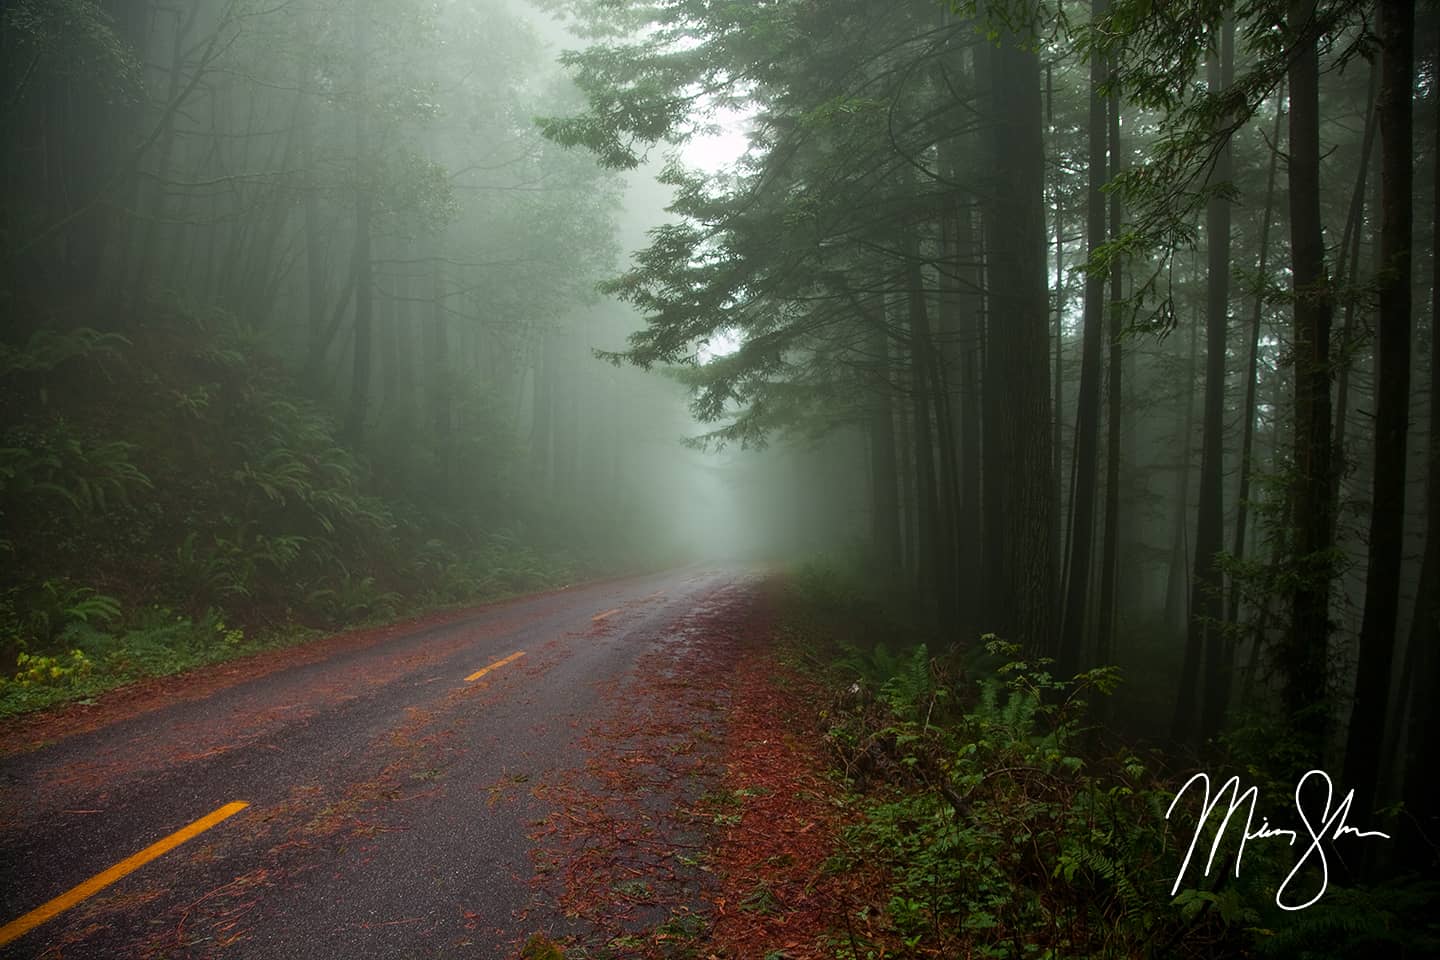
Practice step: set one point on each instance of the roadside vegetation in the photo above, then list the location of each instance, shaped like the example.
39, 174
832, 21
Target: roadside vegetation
873, 790
289, 337
1110, 332
171, 499
1012, 821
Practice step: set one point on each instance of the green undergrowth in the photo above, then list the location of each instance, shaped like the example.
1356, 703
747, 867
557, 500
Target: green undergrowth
170, 497
99, 648
1006, 831
99, 655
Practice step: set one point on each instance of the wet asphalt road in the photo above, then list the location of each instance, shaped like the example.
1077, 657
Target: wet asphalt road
389, 798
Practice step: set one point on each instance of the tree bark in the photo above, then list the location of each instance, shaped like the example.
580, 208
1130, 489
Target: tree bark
929, 561
1017, 407
438, 375
364, 265
1177, 587
1422, 731
358, 407
404, 408
885, 492
1395, 24
1057, 442
962, 329
1248, 407
315, 259
1087, 402
1203, 634
1110, 542
1306, 644
158, 200
389, 351
971, 532
543, 421
1347, 270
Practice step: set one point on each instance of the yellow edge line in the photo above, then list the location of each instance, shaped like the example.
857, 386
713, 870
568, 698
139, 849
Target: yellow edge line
495, 666
33, 919
601, 616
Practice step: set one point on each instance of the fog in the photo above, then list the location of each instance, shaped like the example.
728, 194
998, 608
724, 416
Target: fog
1106, 330
388, 285
345, 293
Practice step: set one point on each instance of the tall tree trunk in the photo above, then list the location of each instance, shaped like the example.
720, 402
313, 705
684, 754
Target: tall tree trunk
358, 408
1177, 587
1017, 408
930, 563
566, 428
93, 136
1087, 403
144, 256
1307, 640
1248, 407
1110, 542
404, 408
319, 344
542, 426
439, 374
1392, 408
970, 530
1203, 633
1060, 529
266, 257
389, 352
316, 263
1422, 732
905, 449
1347, 271
231, 284
885, 520
364, 265
959, 282
947, 596
1278, 559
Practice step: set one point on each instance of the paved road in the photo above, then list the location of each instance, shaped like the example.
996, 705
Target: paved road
388, 791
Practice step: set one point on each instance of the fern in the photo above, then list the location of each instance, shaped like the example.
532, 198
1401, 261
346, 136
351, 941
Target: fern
225, 567
47, 349
910, 689
1393, 919
53, 466
57, 604
84, 605
277, 474
279, 552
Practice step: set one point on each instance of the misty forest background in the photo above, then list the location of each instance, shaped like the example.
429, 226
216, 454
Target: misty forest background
1106, 329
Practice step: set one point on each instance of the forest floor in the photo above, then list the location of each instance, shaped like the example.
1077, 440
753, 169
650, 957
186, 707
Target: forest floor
706, 818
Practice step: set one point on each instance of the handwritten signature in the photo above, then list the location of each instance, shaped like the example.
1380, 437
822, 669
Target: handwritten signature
1331, 825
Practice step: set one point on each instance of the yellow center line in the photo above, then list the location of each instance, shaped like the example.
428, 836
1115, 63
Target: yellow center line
33, 919
495, 666
601, 616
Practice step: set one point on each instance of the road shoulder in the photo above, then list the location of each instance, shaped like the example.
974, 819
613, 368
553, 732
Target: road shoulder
706, 822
